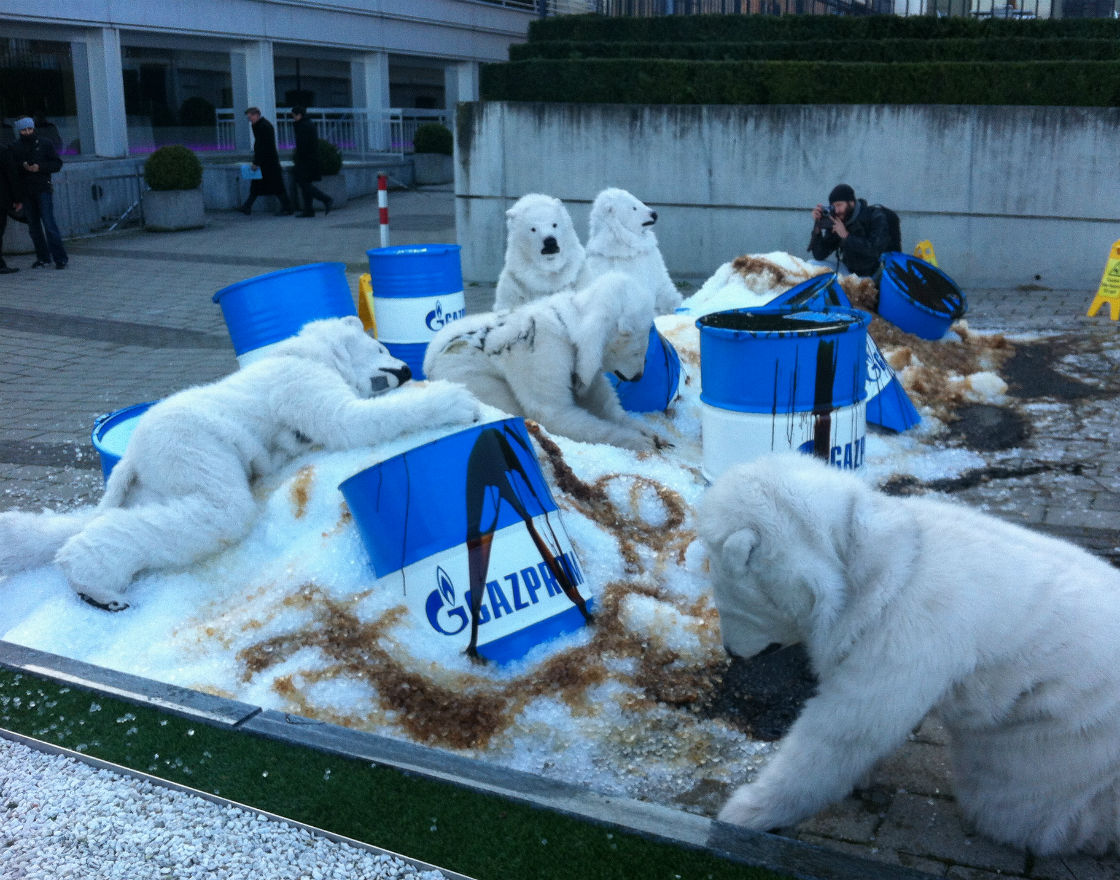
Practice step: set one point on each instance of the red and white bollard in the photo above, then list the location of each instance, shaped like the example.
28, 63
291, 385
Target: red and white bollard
383, 207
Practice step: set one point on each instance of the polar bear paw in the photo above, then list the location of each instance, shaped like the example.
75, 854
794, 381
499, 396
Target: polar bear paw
744, 808
451, 404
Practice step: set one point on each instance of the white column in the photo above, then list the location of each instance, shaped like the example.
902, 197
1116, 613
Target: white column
99, 88
254, 85
460, 83
369, 85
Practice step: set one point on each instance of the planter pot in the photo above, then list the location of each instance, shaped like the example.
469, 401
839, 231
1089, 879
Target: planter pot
334, 185
170, 210
430, 168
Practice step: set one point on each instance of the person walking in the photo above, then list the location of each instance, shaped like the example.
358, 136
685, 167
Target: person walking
267, 159
36, 160
306, 160
7, 200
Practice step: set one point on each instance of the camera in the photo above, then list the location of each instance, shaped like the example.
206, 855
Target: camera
824, 225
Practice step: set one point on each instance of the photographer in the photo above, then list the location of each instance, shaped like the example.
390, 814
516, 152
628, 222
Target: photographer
859, 233
36, 160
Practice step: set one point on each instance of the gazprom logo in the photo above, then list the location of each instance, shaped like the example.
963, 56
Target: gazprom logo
437, 318
848, 456
440, 608
515, 591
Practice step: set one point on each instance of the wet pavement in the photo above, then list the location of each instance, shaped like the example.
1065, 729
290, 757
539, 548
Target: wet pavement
131, 320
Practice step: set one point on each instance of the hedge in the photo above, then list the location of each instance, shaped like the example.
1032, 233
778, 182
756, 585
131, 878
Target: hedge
758, 28
910, 50
647, 81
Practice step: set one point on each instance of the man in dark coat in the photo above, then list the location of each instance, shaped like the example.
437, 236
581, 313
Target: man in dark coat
306, 161
36, 160
7, 200
267, 159
858, 232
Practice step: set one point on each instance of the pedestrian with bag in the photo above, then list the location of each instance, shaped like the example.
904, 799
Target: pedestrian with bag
266, 159
36, 160
306, 161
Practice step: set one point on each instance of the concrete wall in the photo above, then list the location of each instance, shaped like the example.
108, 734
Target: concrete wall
1009, 196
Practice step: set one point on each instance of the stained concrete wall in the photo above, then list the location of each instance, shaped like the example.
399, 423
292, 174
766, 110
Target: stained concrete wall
1009, 196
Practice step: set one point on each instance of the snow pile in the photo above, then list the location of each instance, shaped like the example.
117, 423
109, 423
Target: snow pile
293, 619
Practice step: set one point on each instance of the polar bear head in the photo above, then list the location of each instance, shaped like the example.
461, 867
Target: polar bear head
540, 234
616, 314
785, 536
344, 346
620, 224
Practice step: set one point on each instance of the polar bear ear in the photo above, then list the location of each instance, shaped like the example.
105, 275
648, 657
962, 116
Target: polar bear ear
737, 550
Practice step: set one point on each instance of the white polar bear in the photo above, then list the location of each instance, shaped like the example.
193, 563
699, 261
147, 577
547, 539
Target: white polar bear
182, 487
912, 604
543, 252
545, 360
622, 240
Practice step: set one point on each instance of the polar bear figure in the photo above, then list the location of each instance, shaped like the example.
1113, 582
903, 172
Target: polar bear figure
545, 360
543, 252
907, 605
182, 488
622, 240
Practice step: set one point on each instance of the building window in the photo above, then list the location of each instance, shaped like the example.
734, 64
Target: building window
171, 97
37, 80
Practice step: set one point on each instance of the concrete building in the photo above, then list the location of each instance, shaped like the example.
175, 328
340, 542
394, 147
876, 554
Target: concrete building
119, 78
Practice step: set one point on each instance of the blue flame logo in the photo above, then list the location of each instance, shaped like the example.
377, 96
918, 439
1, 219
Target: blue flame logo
436, 318
440, 607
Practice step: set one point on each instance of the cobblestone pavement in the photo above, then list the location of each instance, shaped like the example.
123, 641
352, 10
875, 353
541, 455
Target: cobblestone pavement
132, 320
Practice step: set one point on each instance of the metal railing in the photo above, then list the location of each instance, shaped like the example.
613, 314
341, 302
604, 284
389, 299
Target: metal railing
354, 130
97, 201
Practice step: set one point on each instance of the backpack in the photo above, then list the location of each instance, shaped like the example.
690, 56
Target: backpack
894, 226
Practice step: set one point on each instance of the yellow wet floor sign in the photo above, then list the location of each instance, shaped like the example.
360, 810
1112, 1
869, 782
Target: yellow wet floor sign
924, 251
1109, 291
365, 303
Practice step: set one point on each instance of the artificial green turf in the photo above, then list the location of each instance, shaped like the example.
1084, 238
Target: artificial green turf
479, 835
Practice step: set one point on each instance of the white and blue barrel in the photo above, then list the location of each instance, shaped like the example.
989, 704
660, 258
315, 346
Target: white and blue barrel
888, 404
417, 289
112, 431
466, 524
267, 309
783, 380
918, 297
657, 387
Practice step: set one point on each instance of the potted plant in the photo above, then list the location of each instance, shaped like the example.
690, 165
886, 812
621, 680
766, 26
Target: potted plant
174, 199
330, 166
432, 147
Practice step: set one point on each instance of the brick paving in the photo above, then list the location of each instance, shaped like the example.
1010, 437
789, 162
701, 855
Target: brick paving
132, 320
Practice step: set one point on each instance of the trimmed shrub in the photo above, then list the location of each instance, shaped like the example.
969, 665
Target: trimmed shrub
432, 137
646, 81
173, 167
330, 158
912, 50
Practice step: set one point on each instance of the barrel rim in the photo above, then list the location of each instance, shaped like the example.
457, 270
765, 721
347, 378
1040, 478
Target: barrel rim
896, 258
413, 249
272, 275
859, 319
511, 420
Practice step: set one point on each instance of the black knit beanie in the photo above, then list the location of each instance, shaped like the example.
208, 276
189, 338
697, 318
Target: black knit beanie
842, 193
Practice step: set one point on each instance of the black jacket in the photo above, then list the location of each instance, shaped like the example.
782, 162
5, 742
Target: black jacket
267, 159
9, 188
306, 157
34, 151
869, 236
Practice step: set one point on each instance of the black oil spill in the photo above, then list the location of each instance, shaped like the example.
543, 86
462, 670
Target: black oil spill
984, 427
1030, 373
762, 696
